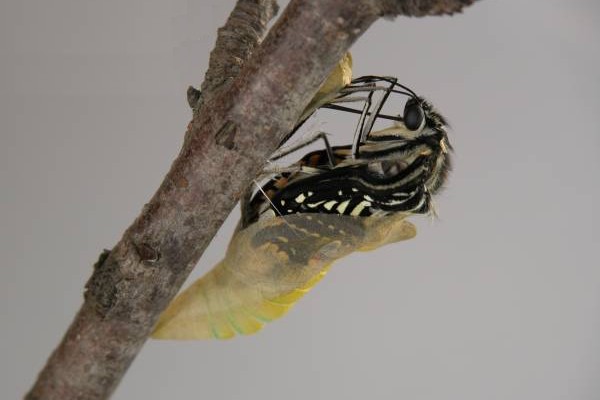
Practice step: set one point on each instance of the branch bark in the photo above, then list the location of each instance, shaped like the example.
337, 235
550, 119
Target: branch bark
244, 111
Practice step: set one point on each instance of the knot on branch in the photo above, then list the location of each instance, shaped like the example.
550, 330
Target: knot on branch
100, 289
147, 253
114, 273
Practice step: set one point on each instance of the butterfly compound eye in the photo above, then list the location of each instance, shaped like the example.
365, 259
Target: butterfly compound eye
413, 115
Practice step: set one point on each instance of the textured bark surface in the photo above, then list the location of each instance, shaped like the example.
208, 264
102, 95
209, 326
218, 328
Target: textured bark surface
236, 41
244, 111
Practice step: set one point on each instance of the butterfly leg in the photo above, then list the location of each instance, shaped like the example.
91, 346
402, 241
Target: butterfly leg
282, 152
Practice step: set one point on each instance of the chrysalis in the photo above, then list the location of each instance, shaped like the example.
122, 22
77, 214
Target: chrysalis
267, 268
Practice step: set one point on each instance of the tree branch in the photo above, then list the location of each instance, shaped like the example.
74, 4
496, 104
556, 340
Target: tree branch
225, 147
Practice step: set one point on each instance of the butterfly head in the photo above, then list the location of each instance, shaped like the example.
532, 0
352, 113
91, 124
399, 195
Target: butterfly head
420, 121
420, 132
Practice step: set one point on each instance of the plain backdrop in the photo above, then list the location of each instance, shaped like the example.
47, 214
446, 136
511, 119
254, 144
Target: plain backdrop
497, 299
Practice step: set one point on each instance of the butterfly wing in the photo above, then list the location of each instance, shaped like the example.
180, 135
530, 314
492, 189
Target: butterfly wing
268, 267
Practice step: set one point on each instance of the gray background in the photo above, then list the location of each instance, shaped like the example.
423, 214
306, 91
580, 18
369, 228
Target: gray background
498, 299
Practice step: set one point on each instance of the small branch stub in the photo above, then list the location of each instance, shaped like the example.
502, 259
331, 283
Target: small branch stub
193, 97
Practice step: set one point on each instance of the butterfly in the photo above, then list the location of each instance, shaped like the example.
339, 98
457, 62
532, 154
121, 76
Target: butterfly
328, 204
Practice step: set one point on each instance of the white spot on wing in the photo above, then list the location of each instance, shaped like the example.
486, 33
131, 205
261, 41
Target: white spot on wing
359, 207
342, 207
329, 205
317, 204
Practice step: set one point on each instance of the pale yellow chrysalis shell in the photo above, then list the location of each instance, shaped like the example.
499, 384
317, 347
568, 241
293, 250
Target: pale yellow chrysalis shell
268, 267
340, 77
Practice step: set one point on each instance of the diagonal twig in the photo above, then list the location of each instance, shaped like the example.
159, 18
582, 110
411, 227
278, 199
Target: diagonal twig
245, 109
